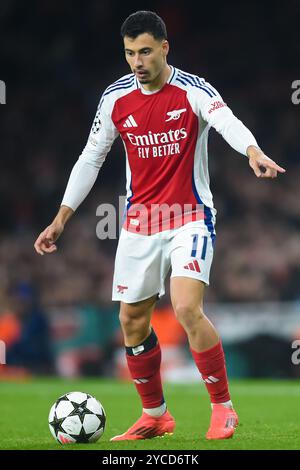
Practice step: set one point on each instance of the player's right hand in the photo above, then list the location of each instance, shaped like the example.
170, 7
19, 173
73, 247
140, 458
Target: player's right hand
45, 243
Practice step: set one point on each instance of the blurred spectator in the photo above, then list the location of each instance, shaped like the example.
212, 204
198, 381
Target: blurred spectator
10, 326
31, 349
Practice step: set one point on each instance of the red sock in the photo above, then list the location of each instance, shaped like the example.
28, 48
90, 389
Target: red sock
212, 367
145, 371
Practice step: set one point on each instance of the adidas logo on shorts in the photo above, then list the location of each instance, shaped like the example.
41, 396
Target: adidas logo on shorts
194, 266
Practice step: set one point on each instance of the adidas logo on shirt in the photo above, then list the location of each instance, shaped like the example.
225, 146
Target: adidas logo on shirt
130, 122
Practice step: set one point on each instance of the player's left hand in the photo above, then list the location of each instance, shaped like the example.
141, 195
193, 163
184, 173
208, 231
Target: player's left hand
262, 165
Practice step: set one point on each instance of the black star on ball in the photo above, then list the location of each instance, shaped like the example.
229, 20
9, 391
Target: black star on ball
56, 423
80, 410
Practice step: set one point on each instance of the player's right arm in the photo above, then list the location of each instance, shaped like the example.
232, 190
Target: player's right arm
82, 177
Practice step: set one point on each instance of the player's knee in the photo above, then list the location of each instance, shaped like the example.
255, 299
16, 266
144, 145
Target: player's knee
188, 315
135, 327
130, 319
126, 319
138, 313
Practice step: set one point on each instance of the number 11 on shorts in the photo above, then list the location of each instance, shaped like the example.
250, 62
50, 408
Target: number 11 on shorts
195, 245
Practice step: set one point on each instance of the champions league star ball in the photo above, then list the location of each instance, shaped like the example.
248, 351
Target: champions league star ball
77, 417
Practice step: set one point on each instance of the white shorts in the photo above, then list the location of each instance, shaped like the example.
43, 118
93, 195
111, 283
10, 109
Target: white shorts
143, 262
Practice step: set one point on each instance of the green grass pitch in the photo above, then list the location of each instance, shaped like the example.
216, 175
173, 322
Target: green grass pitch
269, 415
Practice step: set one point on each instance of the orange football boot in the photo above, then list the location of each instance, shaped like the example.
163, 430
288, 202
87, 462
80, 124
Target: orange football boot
147, 427
223, 422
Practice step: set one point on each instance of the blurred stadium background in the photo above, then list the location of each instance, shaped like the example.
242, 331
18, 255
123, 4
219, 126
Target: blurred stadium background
56, 314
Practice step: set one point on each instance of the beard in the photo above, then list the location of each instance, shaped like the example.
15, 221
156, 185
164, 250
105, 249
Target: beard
144, 81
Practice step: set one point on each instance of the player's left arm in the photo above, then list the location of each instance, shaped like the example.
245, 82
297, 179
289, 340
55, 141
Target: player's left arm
218, 115
263, 166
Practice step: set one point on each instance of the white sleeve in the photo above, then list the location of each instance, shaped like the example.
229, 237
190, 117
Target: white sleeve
86, 169
218, 115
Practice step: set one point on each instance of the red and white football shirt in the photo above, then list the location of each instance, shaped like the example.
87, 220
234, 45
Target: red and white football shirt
165, 136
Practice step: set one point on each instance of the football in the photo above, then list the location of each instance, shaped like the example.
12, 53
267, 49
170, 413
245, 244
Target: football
77, 417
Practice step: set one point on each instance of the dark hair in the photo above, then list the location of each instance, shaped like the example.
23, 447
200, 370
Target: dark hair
144, 22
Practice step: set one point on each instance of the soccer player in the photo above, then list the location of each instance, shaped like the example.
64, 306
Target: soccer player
163, 116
